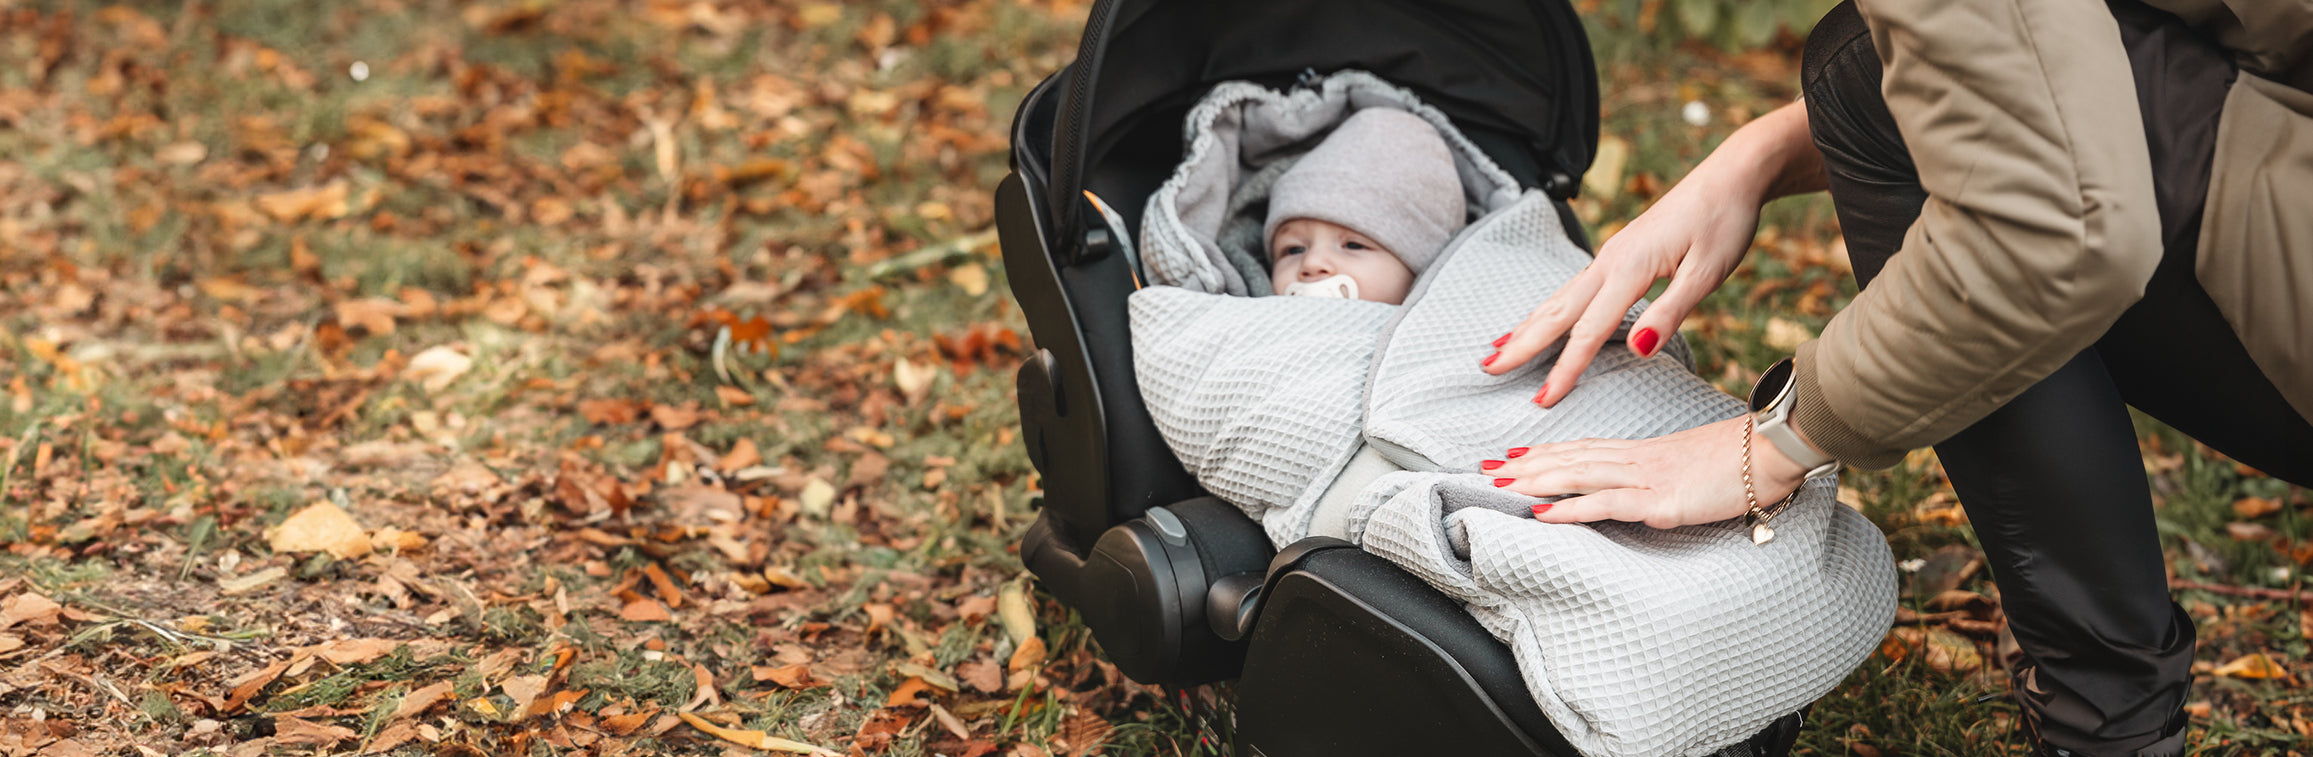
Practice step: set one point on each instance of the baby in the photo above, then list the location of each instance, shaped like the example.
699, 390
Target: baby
1363, 214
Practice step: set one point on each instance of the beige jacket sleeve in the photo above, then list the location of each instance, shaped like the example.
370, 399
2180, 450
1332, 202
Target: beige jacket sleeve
2039, 227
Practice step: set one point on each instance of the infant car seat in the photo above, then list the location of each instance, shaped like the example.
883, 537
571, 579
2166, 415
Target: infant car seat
1337, 652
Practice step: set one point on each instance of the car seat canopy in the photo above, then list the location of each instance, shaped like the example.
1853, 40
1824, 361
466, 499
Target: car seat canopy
1520, 69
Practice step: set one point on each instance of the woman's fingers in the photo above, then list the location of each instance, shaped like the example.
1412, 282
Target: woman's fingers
1612, 504
1662, 318
1598, 324
1545, 325
1598, 473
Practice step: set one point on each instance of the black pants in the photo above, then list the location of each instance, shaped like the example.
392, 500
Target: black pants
2052, 481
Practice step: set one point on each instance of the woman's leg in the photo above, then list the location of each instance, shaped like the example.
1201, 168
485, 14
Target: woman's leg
2052, 481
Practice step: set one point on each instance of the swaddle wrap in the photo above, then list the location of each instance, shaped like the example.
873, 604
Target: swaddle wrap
1634, 640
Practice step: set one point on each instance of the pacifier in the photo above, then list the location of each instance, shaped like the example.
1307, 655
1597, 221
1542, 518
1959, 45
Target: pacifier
1339, 285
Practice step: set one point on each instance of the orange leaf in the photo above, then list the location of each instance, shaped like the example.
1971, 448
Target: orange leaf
417, 702
247, 686
610, 412
674, 418
1029, 655
796, 676
2254, 666
625, 724
907, 694
2250, 508
742, 455
665, 586
645, 610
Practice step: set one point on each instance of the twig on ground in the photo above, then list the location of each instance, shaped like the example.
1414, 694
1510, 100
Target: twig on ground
949, 251
2252, 592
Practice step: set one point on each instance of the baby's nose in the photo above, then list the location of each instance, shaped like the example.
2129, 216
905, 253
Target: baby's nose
1317, 263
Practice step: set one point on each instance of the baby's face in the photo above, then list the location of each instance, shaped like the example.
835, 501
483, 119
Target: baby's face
1307, 249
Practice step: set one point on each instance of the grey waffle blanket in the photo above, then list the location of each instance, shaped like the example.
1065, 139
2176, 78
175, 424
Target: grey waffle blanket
1635, 641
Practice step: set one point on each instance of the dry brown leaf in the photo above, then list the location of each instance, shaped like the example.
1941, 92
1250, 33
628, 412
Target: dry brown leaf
391, 736
239, 585
817, 497
437, 367
28, 608
374, 314
524, 690
248, 685
417, 702
949, 721
732, 396
970, 277
10, 643
914, 381
294, 731
182, 153
984, 676
878, 616
674, 418
354, 651
1786, 336
320, 203
609, 412
321, 527
795, 676
627, 723
1958, 599
2252, 508
1012, 608
742, 455
1029, 655
1084, 732
68, 748
2250, 531
975, 608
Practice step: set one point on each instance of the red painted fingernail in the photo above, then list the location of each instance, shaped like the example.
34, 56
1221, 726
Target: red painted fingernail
1645, 340
1516, 452
1504, 339
1490, 465
1542, 508
1500, 482
1490, 359
1539, 394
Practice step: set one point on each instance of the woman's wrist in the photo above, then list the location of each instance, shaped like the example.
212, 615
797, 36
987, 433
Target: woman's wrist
1775, 473
1772, 156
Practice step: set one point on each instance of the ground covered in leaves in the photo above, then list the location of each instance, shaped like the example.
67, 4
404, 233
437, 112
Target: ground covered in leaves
633, 377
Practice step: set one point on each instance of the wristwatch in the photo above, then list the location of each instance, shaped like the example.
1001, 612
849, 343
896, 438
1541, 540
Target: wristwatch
1771, 403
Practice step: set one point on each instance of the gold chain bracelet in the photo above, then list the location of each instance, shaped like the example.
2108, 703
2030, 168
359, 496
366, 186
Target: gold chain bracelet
1756, 518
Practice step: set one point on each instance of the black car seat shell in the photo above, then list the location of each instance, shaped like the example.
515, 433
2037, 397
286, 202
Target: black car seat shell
1338, 651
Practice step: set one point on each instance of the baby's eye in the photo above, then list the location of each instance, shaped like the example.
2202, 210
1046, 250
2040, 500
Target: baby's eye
1291, 249
1354, 245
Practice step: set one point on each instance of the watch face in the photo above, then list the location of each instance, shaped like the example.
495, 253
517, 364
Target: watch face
1770, 385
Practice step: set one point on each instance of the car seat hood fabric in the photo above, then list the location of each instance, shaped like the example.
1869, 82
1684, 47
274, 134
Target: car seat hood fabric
1634, 640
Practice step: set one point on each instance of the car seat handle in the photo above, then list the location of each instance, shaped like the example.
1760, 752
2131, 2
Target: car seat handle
1232, 603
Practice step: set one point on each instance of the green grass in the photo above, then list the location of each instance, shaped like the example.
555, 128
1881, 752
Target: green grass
207, 342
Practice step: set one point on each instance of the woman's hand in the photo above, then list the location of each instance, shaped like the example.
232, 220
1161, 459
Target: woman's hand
1693, 476
1694, 235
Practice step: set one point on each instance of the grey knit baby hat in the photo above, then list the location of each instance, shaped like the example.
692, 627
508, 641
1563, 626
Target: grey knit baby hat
1384, 173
